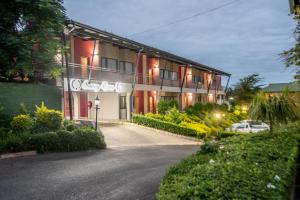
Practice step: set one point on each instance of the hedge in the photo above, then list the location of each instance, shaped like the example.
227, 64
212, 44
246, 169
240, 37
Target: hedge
166, 126
250, 166
59, 141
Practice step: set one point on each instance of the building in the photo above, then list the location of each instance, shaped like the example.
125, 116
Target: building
129, 76
278, 88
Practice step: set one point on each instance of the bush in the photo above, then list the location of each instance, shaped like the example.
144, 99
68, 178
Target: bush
21, 123
166, 126
47, 119
164, 106
79, 139
225, 134
69, 125
200, 128
173, 116
250, 166
16, 143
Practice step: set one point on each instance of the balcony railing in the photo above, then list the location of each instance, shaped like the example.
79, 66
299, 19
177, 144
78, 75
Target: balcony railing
106, 74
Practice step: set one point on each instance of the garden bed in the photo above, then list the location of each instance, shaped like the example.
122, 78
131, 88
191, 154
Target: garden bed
253, 166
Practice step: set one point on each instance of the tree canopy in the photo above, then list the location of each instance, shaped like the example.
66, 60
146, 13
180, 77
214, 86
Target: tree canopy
245, 90
29, 35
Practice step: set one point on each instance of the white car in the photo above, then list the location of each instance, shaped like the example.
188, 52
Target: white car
249, 126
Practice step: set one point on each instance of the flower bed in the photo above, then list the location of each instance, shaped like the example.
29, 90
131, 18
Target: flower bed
252, 166
166, 126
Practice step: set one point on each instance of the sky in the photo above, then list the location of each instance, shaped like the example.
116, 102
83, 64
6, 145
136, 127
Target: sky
242, 38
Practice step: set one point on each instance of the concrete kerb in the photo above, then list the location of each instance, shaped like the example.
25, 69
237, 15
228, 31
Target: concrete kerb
18, 154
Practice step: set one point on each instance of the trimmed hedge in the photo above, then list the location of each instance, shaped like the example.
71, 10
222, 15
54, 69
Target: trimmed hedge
60, 141
250, 166
166, 126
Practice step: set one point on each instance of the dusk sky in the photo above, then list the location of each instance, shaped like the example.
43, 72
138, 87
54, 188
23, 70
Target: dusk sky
242, 38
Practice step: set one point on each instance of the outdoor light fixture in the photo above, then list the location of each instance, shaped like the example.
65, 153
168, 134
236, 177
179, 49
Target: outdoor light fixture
97, 103
218, 115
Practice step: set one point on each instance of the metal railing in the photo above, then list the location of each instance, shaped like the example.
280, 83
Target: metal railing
113, 75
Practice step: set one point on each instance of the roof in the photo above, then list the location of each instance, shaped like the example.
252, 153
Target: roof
279, 87
87, 31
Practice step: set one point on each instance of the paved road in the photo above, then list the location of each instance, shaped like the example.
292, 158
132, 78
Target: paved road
132, 171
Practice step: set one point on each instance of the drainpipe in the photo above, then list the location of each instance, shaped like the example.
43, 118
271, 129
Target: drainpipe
162, 79
92, 61
68, 72
181, 87
227, 83
134, 81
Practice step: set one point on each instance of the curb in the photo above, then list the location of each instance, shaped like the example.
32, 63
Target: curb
165, 132
18, 154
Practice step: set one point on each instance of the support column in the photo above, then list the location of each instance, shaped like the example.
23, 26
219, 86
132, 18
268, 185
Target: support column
128, 104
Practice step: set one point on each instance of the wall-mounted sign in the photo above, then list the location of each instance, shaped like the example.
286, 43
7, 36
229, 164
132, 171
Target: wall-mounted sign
85, 85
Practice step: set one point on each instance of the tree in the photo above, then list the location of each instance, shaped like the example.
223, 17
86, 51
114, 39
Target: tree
29, 31
273, 109
244, 91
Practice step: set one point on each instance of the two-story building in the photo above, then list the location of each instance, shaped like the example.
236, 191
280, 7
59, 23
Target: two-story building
130, 77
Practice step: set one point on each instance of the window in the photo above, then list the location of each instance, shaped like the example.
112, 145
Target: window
109, 64
126, 67
161, 73
129, 68
197, 79
167, 98
174, 76
168, 75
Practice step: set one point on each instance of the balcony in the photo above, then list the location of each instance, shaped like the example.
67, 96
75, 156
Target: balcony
97, 73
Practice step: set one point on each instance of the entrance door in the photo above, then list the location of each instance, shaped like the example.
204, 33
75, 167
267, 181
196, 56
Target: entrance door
84, 65
83, 105
123, 109
150, 77
151, 104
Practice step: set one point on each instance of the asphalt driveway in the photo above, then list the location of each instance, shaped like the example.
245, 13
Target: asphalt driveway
131, 168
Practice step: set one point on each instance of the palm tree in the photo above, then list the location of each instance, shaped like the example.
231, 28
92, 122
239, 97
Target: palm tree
273, 109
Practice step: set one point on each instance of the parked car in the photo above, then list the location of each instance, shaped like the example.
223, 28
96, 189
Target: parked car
249, 126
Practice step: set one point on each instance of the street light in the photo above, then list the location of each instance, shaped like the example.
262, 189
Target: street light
97, 103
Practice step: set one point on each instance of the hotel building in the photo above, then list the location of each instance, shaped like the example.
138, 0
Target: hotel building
129, 77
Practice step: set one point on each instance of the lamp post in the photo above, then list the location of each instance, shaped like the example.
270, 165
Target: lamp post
97, 103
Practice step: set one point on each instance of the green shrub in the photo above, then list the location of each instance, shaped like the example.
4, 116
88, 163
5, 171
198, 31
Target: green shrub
249, 166
225, 134
164, 106
174, 116
200, 128
47, 119
79, 139
166, 126
210, 147
21, 123
4, 133
69, 125
16, 143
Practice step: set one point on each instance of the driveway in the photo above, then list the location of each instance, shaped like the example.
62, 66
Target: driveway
131, 168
